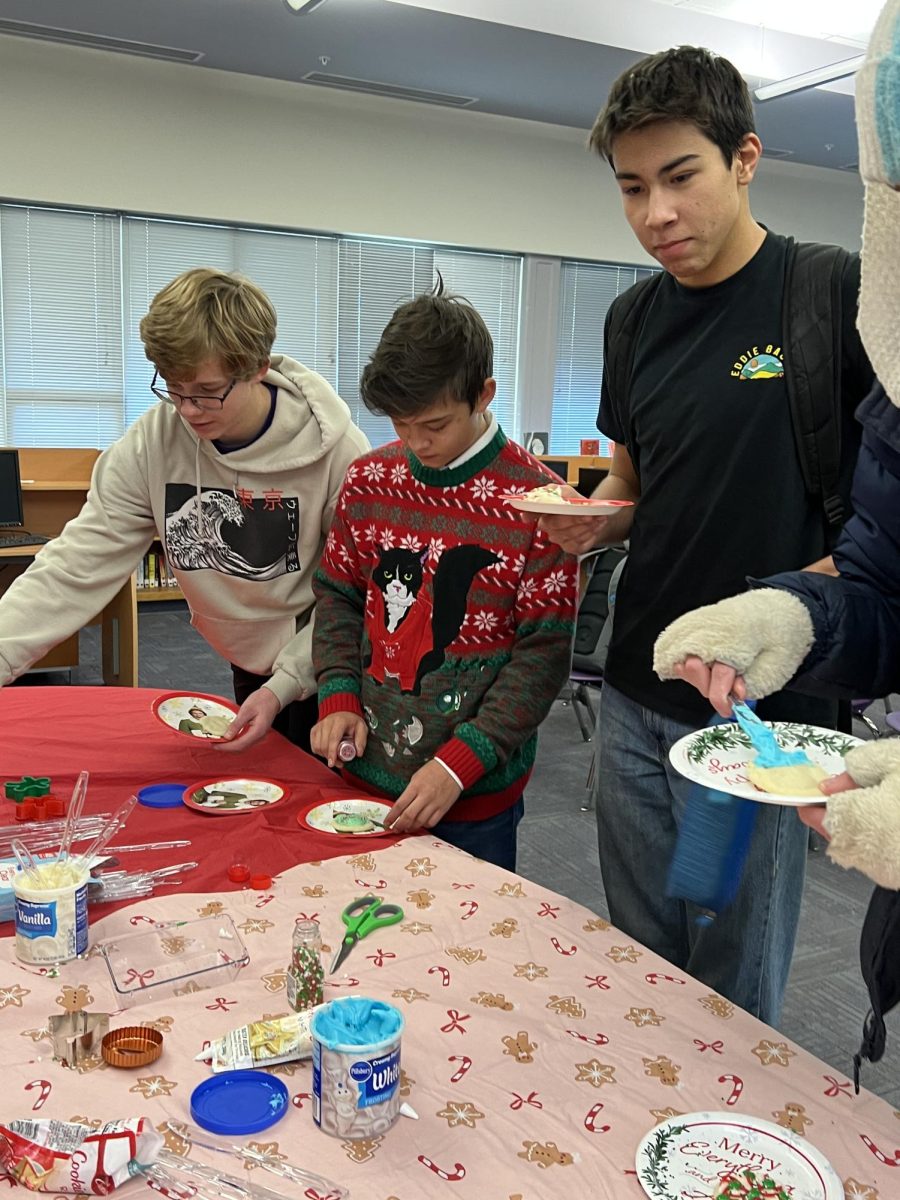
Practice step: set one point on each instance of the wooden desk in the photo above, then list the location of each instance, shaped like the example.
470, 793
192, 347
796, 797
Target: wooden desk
54, 487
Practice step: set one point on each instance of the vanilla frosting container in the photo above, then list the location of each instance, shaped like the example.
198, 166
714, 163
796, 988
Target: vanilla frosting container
261, 1044
52, 918
356, 1067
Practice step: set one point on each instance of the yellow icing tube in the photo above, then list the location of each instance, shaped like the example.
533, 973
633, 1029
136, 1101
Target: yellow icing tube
261, 1044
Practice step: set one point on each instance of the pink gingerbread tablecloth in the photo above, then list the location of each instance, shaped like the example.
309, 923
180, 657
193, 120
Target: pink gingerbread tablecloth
540, 1043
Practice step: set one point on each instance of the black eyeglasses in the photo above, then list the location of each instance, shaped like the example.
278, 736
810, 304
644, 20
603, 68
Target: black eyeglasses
208, 403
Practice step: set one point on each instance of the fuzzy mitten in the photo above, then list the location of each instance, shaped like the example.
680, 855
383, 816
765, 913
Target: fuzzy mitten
763, 634
864, 823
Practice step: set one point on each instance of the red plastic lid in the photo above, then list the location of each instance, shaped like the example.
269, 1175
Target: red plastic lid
238, 872
260, 883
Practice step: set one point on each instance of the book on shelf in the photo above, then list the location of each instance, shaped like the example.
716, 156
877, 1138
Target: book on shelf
154, 573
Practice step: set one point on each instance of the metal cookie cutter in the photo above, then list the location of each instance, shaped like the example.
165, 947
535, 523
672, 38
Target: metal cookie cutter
77, 1036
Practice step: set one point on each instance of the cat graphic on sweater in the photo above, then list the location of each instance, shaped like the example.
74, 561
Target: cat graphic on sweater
410, 630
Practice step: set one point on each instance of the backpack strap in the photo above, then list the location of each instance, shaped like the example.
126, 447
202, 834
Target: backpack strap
812, 328
624, 321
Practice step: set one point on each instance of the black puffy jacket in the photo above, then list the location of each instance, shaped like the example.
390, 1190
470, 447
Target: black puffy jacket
856, 616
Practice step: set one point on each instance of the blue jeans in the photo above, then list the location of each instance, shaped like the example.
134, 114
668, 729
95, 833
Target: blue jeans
493, 839
745, 953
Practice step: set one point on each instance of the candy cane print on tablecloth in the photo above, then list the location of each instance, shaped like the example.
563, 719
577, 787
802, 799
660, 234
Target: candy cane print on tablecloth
444, 974
599, 1039
893, 1161
461, 1070
736, 1089
560, 949
654, 977
590, 1120
454, 1176
45, 1089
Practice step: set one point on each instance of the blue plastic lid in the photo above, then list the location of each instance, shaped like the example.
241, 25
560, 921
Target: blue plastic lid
162, 795
239, 1102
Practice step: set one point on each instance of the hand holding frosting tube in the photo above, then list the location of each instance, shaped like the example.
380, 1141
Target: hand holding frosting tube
751, 645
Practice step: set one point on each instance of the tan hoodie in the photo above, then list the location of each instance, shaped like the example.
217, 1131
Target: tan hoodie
243, 533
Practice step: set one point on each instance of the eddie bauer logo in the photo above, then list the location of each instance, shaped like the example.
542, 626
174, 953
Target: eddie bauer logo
759, 364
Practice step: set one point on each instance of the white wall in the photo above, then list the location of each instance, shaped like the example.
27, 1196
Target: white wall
93, 129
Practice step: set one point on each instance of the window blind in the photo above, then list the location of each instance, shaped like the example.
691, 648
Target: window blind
586, 292
298, 272
376, 277
62, 327
493, 284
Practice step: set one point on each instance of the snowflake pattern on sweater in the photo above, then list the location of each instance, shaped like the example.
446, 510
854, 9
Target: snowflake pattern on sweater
445, 618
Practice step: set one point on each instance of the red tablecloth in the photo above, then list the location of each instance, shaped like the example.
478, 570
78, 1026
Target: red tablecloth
112, 733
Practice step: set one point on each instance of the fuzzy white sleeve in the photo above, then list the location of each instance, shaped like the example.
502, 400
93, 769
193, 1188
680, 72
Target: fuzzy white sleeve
864, 823
763, 634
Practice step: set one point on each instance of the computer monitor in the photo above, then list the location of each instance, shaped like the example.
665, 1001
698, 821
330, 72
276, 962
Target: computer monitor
10, 489
589, 478
559, 465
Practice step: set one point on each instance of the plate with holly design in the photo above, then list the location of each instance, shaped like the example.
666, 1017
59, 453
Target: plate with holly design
727, 1156
718, 756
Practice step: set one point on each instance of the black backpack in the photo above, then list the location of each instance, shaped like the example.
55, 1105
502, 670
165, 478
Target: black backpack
812, 329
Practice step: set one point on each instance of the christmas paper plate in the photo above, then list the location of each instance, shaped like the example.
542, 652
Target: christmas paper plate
551, 501
194, 714
222, 797
718, 756
347, 818
700, 1154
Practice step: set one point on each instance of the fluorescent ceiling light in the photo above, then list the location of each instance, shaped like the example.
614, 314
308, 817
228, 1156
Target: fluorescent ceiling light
825, 19
810, 79
303, 7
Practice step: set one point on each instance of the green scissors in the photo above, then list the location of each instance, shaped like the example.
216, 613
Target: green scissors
361, 917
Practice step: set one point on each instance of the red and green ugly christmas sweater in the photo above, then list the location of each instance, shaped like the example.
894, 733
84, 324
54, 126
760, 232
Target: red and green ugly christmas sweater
445, 618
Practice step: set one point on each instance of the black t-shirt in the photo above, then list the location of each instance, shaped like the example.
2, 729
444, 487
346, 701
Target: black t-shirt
708, 427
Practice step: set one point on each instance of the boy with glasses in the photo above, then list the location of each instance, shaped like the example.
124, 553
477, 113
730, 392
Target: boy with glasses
238, 474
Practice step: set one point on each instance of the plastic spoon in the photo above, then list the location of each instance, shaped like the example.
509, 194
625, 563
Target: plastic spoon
76, 804
26, 862
108, 832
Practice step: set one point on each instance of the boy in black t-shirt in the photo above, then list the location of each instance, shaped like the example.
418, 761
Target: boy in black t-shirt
705, 444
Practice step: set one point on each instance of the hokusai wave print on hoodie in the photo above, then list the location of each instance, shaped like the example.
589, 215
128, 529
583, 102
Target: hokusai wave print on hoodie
249, 536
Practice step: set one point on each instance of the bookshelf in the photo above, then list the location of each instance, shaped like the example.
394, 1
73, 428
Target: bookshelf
54, 487
154, 583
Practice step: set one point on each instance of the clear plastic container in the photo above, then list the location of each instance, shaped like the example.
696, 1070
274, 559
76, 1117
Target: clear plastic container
174, 959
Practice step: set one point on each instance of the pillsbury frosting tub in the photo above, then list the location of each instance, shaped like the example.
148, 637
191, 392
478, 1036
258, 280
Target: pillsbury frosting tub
51, 913
356, 1067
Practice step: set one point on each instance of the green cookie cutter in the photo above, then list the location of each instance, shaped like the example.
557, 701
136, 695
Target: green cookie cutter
27, 786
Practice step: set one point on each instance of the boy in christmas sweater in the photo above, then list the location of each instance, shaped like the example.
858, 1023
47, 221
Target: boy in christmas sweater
444, 619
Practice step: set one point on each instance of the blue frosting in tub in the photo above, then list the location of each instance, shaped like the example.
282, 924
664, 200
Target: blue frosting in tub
356, 1021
